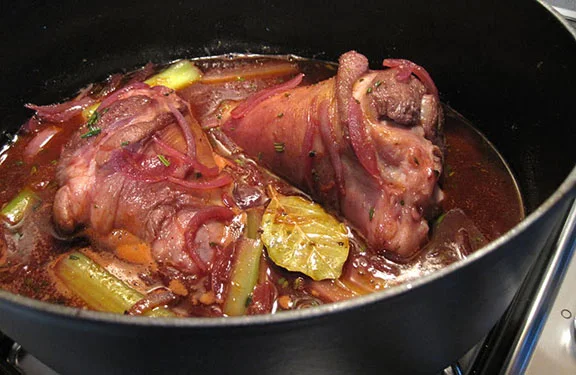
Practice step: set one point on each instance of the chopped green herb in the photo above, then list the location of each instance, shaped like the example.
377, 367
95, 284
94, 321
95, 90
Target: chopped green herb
34, 169
219, 116
315, 175
198, 175
91, 133
279, 146
299, 283
240, 162
90, 124
312, 153
240, 79
371, 213
369, 90
279, 115
93, 119
260, 156
73, 257
440, 218
212, 244
54, 162
163, 159
18, 163
124, 144
248, 300
402, 202
378, 83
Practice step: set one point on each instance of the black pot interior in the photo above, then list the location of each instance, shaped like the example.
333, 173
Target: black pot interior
509, 68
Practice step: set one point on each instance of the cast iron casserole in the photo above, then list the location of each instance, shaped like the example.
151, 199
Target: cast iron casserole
508, 67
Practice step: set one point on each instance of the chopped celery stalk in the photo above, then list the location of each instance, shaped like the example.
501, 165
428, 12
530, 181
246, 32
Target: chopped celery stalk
244, 276
97, 287
176, 76
252, 224
300, 236
17, 208
246, 268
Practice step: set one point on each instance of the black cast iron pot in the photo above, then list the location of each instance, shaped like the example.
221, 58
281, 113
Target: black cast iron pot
509, 67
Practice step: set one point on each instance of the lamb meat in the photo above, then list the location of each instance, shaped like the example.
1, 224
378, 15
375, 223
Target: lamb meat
367, 143
145, 166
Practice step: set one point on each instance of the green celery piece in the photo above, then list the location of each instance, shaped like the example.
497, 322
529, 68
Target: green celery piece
244, 276
177, 76
17, 208
97, 287
246, 267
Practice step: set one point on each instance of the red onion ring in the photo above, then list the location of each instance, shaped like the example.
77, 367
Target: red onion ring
39, 141
200, 218
190, 142
61, 112
262, 95
156, 298
361, 143
222, 180
406, 68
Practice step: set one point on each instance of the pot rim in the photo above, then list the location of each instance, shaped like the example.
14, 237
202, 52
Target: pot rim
566, 190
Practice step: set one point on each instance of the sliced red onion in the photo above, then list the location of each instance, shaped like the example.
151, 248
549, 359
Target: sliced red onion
171, 151
61, 112
352, 66
32, 124
142, 74
112, 83
200, 218
190, 142
222, 180
262, 95
130, 164
263, 298
406, 68
156, 298
39, 141
116, 94
220, 269
361, 142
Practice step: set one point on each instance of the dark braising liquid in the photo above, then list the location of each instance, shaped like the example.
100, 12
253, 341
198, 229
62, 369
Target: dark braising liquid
476, 181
